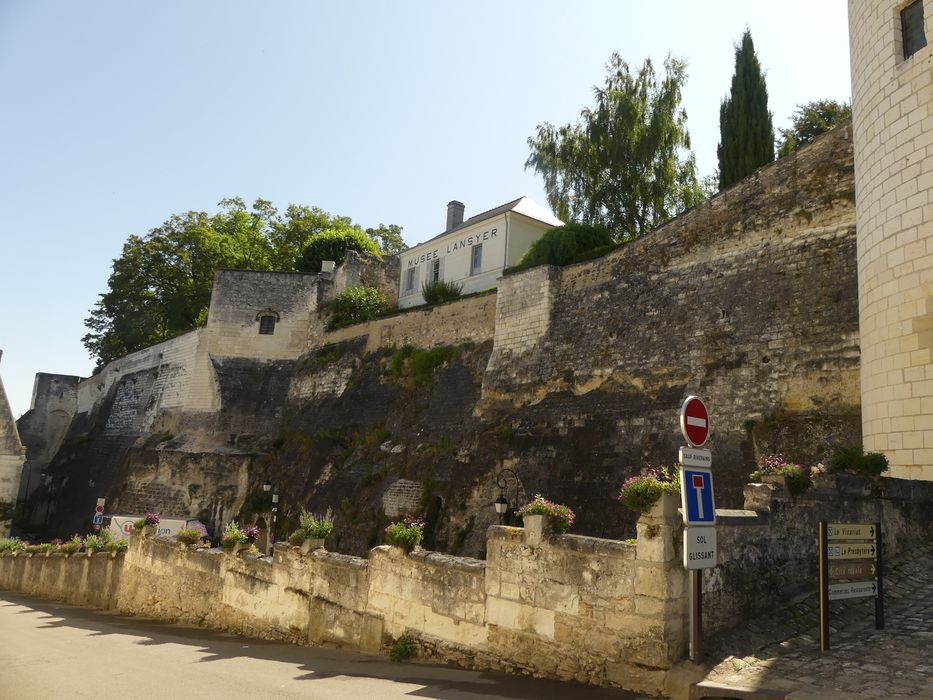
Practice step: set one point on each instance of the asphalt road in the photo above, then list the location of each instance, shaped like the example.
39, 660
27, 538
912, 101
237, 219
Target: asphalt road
53, 650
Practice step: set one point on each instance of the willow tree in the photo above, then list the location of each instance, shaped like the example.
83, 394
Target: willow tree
626, 165
745, 129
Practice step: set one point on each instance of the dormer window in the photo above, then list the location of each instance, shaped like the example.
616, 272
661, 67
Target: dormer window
267, 320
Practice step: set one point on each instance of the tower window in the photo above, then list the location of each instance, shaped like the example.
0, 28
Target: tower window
266, 324
914, 38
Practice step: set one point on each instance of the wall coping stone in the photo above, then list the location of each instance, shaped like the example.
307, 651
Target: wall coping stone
729, 516
448, 561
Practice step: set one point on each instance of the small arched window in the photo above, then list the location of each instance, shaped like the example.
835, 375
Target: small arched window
267, 320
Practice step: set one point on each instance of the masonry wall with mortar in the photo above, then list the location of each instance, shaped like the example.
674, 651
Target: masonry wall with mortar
892, 106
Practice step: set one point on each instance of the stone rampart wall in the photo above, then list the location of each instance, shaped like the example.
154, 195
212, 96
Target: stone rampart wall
471, 320
564, 606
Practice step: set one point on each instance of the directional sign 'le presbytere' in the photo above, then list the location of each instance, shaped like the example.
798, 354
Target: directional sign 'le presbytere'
694, 421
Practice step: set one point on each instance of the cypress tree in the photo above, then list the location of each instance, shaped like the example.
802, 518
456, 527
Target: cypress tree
745, 130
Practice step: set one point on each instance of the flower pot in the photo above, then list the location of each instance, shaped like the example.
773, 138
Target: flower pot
235, 548
665, 507
309, 545
537, 529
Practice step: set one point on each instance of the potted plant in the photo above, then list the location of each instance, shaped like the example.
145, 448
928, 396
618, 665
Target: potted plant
187, 537
312, 530
234, 538
73, 546
655, 491
147, 524
94, 544
405, 533
541, 515
116, 546
778, 470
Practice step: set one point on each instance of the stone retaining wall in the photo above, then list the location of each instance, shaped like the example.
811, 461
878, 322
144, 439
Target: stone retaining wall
569, 607
598, 611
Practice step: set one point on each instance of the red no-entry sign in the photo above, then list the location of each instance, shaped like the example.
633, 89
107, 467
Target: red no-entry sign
694, 421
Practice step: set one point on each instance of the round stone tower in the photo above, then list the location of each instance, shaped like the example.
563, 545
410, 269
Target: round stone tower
892, 105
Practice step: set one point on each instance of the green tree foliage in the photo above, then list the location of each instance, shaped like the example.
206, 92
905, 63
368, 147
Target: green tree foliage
160, 285
567, 244
356, 304
626, 165
333, 244
745, 130
809, 121
389, 238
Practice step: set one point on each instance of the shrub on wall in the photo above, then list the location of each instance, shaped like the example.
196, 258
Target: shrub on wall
355, 305
415, 366
333, 244
405, 534
565, 245
441, 291
852, 458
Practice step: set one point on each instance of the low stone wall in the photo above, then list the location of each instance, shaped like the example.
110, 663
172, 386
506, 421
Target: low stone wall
602, 612
471, 320
769, 552
79, 579
569, 607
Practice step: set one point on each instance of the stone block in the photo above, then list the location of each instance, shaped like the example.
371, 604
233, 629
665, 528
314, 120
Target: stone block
655, 542
665, 582
517, 616
637, 678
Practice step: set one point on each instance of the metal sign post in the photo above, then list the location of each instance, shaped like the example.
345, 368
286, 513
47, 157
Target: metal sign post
850, 567
699, 510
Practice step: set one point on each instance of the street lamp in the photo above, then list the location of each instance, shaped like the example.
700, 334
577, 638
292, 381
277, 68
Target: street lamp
270, 540
503, 507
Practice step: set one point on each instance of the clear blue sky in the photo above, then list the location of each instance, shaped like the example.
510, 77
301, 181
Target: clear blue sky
117, 114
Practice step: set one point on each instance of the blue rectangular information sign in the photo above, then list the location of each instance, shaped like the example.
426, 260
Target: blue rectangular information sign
696, 496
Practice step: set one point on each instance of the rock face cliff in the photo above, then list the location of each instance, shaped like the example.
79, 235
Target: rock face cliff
570, 377
11, 463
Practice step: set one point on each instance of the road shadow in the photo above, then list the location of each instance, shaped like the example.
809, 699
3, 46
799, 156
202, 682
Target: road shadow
311, 663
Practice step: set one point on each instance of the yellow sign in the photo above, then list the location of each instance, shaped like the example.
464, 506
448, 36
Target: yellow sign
850, 531
845, 550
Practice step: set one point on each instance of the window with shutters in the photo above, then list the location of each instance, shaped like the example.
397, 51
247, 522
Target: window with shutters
912, 32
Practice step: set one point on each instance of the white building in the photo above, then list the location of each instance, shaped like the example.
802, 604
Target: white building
473, 252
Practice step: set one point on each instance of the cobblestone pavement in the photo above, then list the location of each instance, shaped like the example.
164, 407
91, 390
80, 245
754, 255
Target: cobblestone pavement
862, 662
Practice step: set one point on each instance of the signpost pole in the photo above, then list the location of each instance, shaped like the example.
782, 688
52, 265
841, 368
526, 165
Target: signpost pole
696, 614
879, 599
824, 590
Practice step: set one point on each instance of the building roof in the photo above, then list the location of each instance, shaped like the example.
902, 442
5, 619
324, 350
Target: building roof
522, 205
